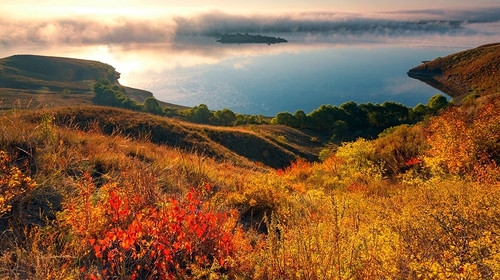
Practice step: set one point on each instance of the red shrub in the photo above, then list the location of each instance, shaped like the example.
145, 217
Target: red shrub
181, 237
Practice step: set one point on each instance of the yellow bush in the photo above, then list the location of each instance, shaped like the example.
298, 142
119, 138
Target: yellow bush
13, 183
449, 230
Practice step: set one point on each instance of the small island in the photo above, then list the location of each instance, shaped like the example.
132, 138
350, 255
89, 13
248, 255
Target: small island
246, 38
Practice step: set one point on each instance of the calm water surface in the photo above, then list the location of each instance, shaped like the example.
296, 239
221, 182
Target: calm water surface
270, 79
267, 84
262, 79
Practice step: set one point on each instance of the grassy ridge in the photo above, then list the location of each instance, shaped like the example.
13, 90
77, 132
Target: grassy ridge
40, 81
473, 71
235, 144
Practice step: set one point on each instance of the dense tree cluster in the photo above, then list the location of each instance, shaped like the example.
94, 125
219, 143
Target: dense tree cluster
350, 120
109, 94
224, 117
346, 122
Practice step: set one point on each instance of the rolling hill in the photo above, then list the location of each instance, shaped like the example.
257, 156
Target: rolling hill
474, 71
273, 146
44, 81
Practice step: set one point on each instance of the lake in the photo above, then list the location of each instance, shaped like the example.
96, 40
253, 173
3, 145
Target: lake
270, 79
262, 79
265, 79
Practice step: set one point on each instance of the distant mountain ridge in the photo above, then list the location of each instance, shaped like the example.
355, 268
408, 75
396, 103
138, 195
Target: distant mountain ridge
475, 71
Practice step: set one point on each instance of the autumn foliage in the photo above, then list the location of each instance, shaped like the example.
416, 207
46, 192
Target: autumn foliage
128, 239
13, 183
418, 202
181, 238
465, 142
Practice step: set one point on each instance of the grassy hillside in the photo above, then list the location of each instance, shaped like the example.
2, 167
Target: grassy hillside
124, 197
474, 71
237, 145
54, 73
32, 80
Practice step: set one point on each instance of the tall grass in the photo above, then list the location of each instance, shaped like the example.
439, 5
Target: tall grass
372, 210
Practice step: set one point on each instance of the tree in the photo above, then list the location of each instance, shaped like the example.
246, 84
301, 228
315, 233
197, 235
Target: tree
357, 118
324, 117
151, 105
284, 118
300, 118
395, 113
225, 117
340, 130
199, 114
109, 94
437, 102
420, 110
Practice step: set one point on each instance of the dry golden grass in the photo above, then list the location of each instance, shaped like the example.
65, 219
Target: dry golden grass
403, 206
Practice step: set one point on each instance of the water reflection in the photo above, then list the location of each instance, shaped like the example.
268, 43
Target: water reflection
260, 79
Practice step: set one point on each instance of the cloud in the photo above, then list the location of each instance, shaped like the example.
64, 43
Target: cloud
481, 15
312, 26
332, 23
83, 32
403, 86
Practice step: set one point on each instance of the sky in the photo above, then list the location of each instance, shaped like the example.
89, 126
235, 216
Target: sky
97, 22
142, 8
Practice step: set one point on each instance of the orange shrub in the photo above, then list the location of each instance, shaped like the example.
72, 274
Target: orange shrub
466, 142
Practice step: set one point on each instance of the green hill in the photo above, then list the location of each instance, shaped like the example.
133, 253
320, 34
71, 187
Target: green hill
56, 73
474, 71
45, 81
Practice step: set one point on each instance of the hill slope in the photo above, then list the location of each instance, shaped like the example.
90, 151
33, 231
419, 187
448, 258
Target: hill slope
34, 81
238, 145
55, 73
473, 71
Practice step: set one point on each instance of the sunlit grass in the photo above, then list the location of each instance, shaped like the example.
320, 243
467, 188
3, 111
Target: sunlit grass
403, 206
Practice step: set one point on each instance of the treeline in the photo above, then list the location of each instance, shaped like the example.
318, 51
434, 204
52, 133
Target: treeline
346, 122
224, 117
350, 121
109, 94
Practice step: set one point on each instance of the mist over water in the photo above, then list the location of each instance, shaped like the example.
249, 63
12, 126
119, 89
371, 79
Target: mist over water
331, 58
